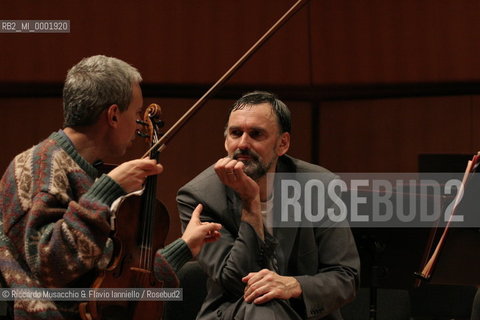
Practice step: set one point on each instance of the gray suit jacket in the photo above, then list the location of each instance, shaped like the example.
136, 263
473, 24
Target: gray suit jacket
324, 260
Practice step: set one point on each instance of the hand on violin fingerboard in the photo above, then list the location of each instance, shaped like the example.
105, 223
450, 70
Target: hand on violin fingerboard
131, 175
197, 233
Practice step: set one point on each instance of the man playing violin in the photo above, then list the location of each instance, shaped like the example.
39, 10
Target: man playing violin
257, 270
55, 205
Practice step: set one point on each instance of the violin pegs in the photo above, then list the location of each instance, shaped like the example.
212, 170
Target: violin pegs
141, 134
143, 123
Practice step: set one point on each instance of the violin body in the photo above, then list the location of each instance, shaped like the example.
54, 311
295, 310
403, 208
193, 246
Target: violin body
124, 270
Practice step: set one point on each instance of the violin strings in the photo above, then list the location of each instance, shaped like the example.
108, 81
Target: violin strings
146, 258
148, 209
149, 219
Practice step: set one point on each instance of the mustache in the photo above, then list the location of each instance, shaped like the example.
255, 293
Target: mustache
246, 152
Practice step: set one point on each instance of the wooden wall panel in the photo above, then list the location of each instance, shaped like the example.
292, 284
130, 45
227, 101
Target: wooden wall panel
395, 41
24, 122
187, 41
327, 42
387, 135
303, 122
183, 41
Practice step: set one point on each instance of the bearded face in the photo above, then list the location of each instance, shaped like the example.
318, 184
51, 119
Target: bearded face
253, 137
255, 168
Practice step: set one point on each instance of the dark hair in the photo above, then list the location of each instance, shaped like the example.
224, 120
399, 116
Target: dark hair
94, 84
278, 107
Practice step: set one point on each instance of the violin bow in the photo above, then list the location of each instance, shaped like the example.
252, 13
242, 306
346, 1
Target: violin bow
167, 136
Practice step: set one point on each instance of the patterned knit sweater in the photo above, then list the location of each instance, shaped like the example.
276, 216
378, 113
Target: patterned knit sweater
54, 226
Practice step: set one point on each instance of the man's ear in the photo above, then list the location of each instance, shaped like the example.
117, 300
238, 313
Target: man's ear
112, 115
284, 144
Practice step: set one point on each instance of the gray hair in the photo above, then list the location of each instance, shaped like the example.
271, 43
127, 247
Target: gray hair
94, 84
280, 109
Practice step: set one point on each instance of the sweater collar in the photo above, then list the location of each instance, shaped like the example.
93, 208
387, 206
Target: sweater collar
66, 144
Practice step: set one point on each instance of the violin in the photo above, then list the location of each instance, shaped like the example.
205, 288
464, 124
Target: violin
139, 229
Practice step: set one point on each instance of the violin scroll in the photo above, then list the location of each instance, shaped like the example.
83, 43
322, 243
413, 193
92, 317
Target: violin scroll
151, 124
